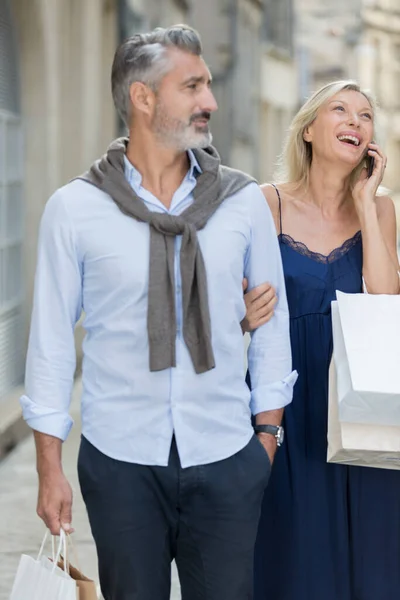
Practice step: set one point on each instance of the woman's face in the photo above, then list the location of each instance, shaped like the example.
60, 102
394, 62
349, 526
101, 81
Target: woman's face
343, 128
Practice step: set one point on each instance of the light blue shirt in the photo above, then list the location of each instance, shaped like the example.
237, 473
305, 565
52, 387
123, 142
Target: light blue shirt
92, 257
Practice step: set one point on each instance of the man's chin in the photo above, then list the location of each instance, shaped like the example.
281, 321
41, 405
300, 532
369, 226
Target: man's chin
202, 140
191, 142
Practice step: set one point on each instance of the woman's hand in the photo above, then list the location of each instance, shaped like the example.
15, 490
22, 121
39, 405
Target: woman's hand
260, 305
365, 189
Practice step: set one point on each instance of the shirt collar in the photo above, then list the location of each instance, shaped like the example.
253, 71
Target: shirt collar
194, 165
135, 178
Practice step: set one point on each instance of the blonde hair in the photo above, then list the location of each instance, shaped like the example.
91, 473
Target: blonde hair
295, 161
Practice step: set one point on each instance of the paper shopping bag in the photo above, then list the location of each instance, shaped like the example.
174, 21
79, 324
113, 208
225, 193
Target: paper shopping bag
86, 587
366, 352
42, 579
356, 443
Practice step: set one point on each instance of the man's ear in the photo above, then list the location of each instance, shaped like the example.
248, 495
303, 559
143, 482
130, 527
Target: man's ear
142, 97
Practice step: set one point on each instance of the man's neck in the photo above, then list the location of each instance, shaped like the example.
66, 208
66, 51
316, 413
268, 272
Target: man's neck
162, 169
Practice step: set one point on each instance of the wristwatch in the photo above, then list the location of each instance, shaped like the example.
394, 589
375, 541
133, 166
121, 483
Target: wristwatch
275, 430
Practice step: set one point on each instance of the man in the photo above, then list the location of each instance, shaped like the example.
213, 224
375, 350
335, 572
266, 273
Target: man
153, 243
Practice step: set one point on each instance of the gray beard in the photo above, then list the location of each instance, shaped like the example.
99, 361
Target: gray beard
184, 140
175, 134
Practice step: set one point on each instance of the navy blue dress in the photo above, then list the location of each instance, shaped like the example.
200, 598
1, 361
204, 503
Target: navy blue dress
327, 532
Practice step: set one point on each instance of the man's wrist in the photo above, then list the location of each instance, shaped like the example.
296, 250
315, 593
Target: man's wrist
274, 431
49, 470
48, 455
268, 440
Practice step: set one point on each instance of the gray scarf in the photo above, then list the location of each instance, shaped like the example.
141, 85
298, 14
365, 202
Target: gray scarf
213, 186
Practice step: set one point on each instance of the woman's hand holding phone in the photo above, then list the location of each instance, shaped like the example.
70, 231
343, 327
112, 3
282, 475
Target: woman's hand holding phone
370, 165
365, 189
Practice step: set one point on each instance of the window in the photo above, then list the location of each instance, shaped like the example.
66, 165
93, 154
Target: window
11, 220
278, 24
11, 213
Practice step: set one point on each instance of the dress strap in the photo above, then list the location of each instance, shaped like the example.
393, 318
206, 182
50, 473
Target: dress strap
280, 208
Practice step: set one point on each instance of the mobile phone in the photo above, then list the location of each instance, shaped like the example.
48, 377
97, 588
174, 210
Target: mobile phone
370, 165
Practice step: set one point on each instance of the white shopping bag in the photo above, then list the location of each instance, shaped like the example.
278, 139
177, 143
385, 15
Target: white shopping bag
42, 579
359, 444
366, 352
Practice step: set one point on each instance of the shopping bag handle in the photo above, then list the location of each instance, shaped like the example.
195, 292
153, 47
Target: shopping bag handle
62, 549
46, 535
364, 285
74, 553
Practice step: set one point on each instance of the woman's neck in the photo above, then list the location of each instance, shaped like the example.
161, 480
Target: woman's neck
328, 188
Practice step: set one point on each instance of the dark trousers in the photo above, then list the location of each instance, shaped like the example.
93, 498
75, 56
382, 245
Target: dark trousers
204, 517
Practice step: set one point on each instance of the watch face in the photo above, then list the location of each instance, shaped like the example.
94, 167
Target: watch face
280, 435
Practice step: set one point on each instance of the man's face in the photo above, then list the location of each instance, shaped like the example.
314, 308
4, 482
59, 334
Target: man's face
184, 103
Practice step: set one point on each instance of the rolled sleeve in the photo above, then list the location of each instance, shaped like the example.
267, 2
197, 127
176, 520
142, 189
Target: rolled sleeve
51, 357
46, 419
273, 396
269, 353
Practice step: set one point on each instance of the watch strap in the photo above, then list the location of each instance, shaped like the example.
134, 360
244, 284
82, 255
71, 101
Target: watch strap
272, 429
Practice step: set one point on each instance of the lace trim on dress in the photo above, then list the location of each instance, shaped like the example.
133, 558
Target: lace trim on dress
323, 258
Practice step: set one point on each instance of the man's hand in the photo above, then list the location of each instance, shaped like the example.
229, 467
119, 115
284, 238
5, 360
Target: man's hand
55, 502
260, 305
270, 445
55, 494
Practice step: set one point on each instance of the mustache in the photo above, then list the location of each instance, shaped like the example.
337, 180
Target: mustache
201, 115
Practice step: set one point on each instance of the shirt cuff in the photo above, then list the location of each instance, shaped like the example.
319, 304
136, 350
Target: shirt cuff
273, 396
46, 419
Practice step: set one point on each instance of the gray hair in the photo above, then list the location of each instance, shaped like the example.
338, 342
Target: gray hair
143, 57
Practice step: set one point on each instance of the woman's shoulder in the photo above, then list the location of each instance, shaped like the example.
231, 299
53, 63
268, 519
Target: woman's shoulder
271, 194
276, 194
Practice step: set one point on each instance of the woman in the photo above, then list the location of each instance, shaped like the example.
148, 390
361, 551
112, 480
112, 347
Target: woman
328, 532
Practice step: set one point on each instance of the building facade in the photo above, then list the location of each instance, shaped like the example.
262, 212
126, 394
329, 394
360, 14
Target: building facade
379, 69
279, 94
56, 116
231, 32
11, 210
328, 35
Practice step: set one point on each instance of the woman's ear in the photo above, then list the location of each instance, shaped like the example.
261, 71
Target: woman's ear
307, 134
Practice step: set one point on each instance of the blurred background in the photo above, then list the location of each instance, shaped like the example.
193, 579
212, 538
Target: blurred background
56, 112
56, 117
